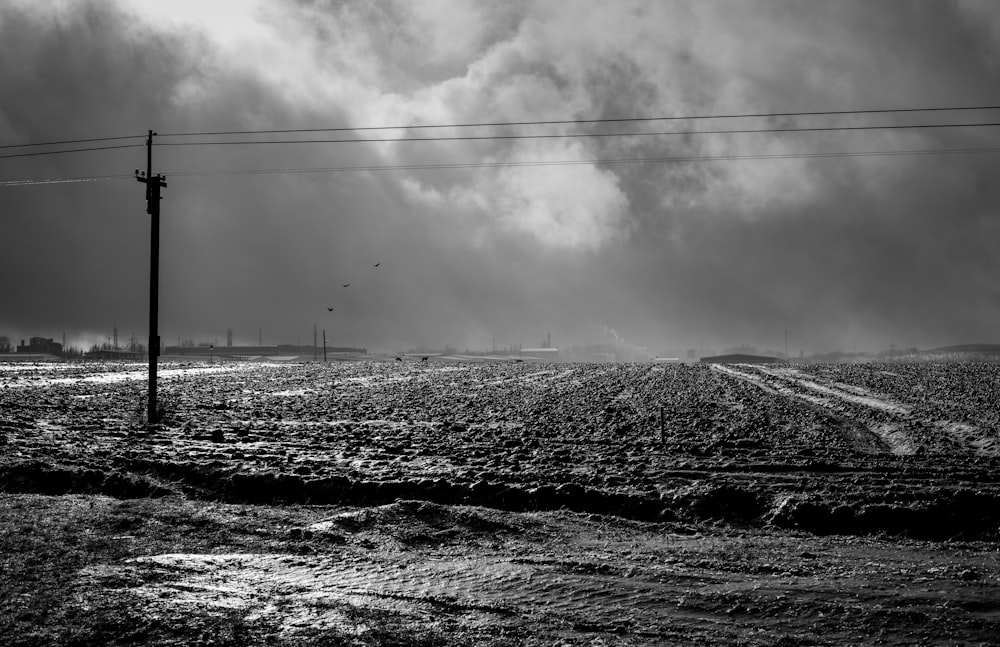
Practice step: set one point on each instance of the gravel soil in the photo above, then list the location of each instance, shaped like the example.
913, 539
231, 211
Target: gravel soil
380, 503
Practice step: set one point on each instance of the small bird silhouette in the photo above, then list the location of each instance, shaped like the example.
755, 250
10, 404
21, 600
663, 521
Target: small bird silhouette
330, 309
377, 264
347, 285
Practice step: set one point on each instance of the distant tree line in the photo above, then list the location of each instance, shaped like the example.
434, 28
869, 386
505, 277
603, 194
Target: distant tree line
134, 346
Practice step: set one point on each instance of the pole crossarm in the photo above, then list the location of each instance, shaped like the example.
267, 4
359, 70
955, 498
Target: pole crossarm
153, 186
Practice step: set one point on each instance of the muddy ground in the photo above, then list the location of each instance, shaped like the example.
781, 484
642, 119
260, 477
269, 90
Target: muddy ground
502, 504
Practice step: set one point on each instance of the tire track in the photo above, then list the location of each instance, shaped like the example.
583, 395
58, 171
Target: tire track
784, 382
572, 592
897, 432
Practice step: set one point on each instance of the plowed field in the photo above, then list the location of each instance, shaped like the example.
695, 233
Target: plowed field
438, 503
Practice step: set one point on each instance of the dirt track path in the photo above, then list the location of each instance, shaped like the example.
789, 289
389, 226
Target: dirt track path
902, 429
578, 577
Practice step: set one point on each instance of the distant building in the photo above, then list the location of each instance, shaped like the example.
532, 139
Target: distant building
737, 358
41, 345
541, 353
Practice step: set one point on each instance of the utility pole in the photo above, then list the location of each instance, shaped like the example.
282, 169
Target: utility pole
153, 186
324, 344
314, 341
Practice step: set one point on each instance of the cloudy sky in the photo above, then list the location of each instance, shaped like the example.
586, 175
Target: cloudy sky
842, 252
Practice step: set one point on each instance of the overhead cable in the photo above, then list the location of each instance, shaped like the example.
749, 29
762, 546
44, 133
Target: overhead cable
71, 150
73, 141
628, 160
579, 135
65, 180
462, 165
583, 121
484, 124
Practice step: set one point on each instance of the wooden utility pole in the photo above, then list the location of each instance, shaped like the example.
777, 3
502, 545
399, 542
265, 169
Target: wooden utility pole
324, 344
153, 186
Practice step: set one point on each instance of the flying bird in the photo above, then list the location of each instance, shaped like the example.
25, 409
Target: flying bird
377, 264
347, 285
330, 309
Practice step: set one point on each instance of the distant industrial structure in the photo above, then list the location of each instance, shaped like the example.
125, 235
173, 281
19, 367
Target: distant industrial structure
245, 353
545, 352
41, 345
737, 358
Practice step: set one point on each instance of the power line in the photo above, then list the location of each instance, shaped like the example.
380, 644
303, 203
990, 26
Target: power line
461, 165
509, 137
71, 150
581, 135
633, 160
72, 141
512, 123
584, 121
64, 180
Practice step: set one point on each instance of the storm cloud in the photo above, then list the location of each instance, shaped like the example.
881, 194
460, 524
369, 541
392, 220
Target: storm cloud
839, 251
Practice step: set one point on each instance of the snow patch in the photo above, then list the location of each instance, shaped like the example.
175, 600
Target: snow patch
292, 393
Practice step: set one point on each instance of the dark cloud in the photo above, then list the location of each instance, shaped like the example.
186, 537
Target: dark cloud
839, 251
75, 256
